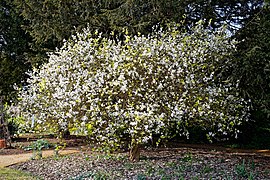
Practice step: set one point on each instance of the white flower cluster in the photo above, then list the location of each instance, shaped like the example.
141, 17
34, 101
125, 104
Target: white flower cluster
137, 87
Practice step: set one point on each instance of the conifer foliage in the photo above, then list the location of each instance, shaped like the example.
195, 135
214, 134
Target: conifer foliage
13, 50
52, 21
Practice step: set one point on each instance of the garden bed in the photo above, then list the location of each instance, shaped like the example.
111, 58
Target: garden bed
162, 163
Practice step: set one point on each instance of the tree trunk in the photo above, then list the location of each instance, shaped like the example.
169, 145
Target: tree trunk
134, 153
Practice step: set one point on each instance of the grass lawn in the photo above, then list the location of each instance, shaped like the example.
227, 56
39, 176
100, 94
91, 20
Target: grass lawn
11, 174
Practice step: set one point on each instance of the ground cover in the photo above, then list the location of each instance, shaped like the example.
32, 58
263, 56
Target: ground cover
177, 161
161, 163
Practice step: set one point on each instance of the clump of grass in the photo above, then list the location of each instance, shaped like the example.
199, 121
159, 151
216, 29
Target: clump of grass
206, 169
241, 169
100, 175
141, 177
129, 166
188, 157
246, 170
150, 170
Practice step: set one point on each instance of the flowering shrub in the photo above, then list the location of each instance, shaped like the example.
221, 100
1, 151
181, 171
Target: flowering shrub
135, 88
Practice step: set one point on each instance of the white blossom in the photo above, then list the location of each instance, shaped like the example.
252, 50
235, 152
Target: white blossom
139, 87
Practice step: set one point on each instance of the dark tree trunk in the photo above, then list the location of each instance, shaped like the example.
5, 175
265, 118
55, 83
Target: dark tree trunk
134, 153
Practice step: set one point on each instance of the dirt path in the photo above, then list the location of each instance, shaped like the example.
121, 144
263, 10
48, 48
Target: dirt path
7, 160
20, 156
237, 151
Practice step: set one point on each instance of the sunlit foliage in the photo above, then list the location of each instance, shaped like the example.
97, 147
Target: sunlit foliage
111, 89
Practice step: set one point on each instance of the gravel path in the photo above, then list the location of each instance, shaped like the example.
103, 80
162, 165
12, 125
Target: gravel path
7, 160
171, 163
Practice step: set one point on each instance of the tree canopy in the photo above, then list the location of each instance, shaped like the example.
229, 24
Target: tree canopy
251, 66
52, 21
13, 48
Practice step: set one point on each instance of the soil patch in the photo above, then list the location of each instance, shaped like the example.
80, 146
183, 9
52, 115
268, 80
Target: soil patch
161, 163
177, 161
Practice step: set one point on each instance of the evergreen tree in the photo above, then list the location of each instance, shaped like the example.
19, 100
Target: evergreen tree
252, 66
13, 49
52, 21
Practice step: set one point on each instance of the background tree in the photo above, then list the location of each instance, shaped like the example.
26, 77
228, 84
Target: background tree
252, 67
52, 21
13, 48
49, 22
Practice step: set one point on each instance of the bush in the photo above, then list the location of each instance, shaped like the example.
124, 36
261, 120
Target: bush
15, 121
141, 86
